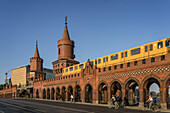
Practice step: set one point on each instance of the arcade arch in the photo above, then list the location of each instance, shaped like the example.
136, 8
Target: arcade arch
88, 93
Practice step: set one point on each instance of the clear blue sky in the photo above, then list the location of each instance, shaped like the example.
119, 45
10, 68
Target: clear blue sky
98, 27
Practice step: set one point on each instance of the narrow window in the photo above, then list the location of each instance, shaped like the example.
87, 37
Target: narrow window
121, 65
160, 45
106, 59
115, 66
126, 54
109, 67
99, 61
67, 65
122, 55
99, 70
103, 59
162, 57
135, 63
167, 43
128, 64
151, 47
146, 48
152, 59
104, 69
59, 51
144, 61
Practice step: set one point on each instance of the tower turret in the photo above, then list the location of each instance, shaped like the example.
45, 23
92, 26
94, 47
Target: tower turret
65, 53
36, 63
65, 45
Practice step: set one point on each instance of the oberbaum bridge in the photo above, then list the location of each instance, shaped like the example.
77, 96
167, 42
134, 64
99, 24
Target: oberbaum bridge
128, 73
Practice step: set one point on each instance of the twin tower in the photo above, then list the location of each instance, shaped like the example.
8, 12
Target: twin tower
65, 56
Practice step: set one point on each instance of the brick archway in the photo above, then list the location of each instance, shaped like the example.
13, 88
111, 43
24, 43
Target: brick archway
131, 91
63, 93
69, 92
37, 93
48, 93
88, 93
102, 92
44, 93
52, 93
78, 93
147, 82
166, 91
58, 96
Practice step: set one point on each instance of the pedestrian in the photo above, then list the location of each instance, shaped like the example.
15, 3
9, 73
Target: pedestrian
71, 97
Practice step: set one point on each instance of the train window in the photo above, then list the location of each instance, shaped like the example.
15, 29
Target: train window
146, 48
66, 70
151, 47
81, 66
122, 55
167, 43
91, 63
106, 59
135, 51
63, 70
71, 68
103, 59
114, 57
160, 45
128, 64
76, 67
99, 61
115, 66
126, 54
144, 61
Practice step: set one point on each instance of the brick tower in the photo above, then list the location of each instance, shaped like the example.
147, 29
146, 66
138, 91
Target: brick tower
36, 66
65, 52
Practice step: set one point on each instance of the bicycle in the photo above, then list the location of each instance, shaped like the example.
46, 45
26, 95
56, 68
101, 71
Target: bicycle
154, 107
115, 106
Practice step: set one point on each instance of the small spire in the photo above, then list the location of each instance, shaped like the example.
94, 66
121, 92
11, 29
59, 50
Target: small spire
36, 43
66, 20
66, 34
36, 54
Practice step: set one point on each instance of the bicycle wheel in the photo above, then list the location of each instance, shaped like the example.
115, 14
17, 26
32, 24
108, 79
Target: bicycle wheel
110, 105
155, 108
116, 106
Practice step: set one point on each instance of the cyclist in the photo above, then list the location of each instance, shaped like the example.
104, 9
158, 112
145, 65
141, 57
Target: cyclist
113, 99
150, 100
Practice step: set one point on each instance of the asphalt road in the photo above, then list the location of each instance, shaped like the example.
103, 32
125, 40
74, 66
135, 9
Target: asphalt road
40, 106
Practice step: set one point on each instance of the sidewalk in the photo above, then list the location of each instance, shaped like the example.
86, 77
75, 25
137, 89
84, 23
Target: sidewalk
94, 104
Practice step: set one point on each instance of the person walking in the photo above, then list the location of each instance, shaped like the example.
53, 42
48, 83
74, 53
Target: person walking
71, 98
150, 100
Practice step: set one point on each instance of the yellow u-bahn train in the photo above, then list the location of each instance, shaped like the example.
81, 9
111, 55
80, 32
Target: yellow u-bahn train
160, 47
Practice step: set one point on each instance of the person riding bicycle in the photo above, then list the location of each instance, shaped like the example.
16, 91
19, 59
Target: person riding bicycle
113, 99
150, 100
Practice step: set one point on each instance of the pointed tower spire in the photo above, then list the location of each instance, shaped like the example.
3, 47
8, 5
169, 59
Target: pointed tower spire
66, 34
36, 54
